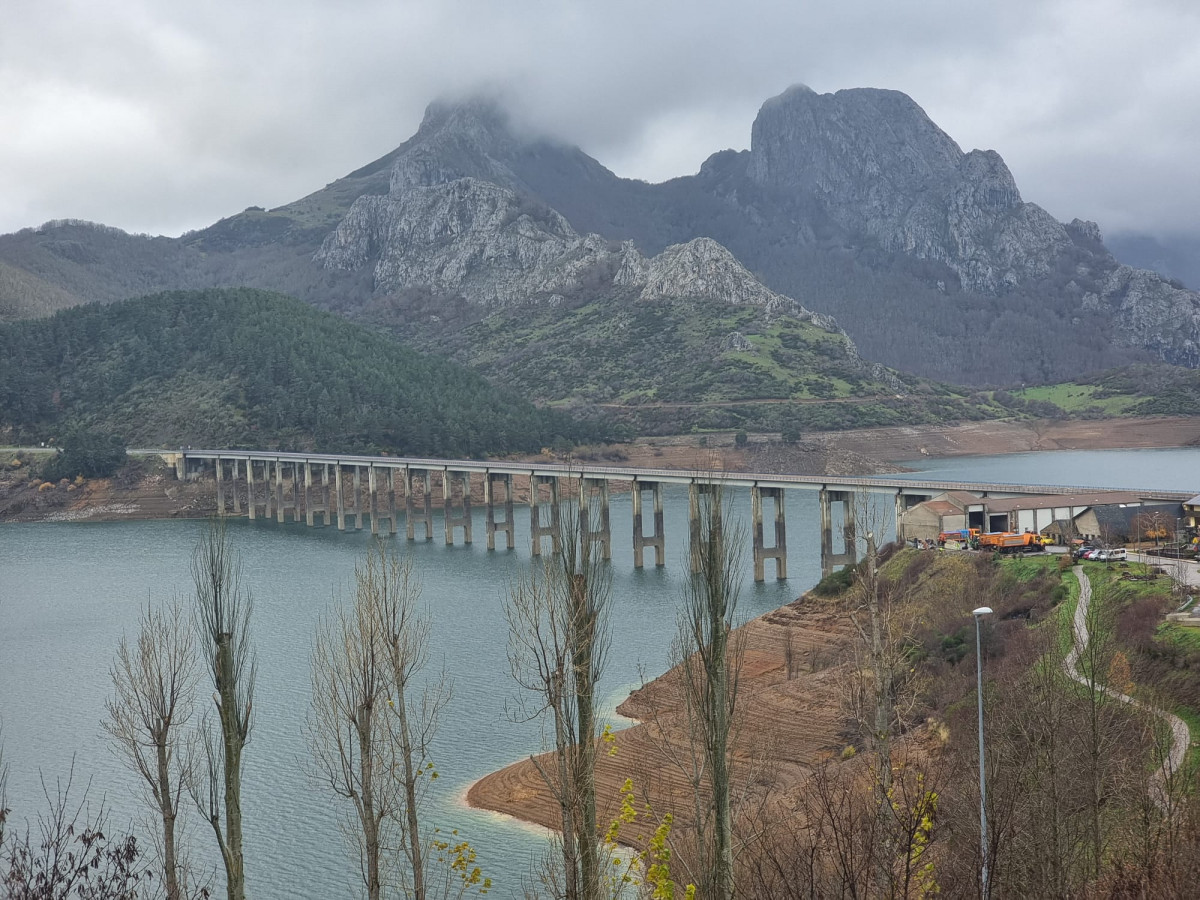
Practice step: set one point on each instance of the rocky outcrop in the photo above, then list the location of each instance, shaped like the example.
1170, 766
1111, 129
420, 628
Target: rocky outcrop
878, 167
470, 238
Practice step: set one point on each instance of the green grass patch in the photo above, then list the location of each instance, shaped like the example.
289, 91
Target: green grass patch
1181, 637
1027, 568
1077, 398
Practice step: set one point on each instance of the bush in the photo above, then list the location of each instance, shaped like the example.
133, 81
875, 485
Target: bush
88, 454
835, 583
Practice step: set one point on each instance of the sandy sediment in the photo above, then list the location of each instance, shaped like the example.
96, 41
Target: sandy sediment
789, 719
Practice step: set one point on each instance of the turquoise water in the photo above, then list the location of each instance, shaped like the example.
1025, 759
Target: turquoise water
68, 591
1174, 469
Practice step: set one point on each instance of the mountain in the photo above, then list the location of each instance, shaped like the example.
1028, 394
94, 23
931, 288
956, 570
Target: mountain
854, 205
246, 368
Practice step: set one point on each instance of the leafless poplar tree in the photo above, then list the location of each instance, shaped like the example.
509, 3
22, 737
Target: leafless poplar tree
148, 717
391, 586
222, 618
710, 661
558, 641
370, 729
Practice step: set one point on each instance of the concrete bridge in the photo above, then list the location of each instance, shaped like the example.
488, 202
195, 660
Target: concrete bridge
349, 489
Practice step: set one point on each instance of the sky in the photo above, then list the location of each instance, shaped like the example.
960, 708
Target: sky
159, 117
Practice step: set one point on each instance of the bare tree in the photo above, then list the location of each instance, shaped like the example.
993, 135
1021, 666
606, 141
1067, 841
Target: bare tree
154, 680
391, 588
346, 729
710, 659
222, 618
558, 641
370, 729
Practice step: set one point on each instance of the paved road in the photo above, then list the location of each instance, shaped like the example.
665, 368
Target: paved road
1180, 735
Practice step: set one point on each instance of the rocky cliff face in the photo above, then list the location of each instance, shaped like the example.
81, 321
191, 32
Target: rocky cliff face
872, 162
484, 242
881, 169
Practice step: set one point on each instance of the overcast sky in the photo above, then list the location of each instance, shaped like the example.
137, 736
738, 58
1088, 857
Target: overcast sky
160, 116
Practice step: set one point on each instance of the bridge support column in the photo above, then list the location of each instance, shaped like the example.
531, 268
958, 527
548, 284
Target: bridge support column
761, 551
536, 530
309, 518
640, 540
372, 505
461, 519
180, 466
356, 508
899, 513
250, 504
847, 556
327, 500
339, 497
221, 487
490, 480
237, 493
389, 495
278, 491
411, 516
602, 532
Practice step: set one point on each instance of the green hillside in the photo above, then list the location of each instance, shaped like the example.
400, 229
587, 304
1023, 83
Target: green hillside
246, 368
681, 365
1141, 390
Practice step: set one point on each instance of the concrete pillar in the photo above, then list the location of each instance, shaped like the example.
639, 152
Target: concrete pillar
899, 513
341, 500
372, 507
326, 499
640, 539
536, 530
598, 527
180, 466
250, 499
278, 491
490, 479
309, 518
410, 514
462, 518
762, 553
847, 555
237, 493
220, 488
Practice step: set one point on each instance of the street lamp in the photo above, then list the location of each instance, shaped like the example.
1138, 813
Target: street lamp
983, 842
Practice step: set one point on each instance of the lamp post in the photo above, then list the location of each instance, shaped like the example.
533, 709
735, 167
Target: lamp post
983, 841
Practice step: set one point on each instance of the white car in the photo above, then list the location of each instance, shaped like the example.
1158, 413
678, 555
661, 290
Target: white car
1116, 555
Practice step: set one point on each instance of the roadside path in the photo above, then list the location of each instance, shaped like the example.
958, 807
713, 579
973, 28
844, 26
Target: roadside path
1180, 735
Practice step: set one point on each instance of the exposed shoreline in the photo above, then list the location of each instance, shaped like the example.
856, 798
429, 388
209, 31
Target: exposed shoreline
152, 493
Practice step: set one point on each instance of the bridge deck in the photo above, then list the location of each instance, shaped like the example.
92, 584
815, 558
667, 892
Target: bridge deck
871, 484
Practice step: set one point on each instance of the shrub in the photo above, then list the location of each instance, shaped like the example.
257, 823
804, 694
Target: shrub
87, 453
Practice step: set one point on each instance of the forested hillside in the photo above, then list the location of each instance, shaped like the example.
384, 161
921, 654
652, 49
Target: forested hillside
241, 368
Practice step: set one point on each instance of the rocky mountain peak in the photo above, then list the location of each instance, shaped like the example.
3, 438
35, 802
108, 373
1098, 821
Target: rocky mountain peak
463, 139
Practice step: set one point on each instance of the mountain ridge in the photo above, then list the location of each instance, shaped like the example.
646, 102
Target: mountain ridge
855, 204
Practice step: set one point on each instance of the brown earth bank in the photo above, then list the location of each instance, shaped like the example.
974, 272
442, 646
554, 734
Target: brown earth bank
147, 490
789, 719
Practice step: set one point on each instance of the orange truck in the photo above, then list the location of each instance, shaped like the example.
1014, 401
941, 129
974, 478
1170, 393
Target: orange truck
1011, 542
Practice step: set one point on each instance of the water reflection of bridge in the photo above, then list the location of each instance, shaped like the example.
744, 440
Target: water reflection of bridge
352, 490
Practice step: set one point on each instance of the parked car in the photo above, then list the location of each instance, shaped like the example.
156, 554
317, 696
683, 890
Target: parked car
1115, 555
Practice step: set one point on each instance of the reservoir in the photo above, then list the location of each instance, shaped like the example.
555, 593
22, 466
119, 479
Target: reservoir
68, 592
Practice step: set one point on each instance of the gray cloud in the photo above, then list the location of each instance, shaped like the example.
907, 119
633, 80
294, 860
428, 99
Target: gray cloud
157, 116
